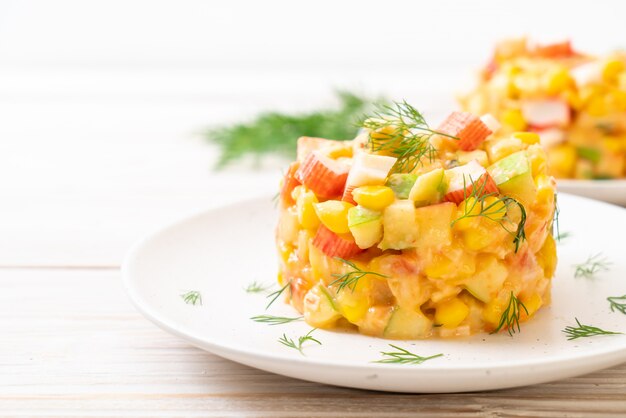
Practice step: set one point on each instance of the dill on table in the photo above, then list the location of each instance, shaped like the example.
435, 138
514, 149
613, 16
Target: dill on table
351, 278
193, 297
583, 331
401, 130
617, 303
257, 287
275, 320
511, 316
403, 356
284, 340
277, 133
594, 264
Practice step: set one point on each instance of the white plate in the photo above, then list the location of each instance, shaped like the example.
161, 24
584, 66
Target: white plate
219, 252
612, 191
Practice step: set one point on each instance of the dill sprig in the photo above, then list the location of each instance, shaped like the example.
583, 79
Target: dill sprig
403, 356
583, 331
275, 320
402, 131
511, 315
594, 264
193, 297
617, 303
257, 287
496, 211
555, 220
351, 278
274, 295
284, 340
277, 133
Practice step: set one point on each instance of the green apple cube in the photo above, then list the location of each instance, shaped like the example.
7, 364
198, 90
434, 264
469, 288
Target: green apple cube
399, 226
513, 176
366, 226
429, 188
401, 184
407, 324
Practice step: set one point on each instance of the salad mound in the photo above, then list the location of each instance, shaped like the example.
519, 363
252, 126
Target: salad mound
411, 232
575, 102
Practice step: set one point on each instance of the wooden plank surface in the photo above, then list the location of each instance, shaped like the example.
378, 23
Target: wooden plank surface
76, 347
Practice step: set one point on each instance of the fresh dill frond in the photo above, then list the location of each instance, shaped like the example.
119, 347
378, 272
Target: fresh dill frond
563, 236
403, 356
284, 340
594, 264
618, 303
277, 133
274, 295
495, 210
257, 287
402, 131
275, 320
511, 315
351, 278
583, 331
556, 231
193, 297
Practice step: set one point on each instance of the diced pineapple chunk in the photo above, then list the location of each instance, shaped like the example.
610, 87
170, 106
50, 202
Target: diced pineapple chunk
451, 313
334, 215
374, 197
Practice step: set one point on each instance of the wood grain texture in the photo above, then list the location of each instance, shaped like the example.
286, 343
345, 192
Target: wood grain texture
72, 345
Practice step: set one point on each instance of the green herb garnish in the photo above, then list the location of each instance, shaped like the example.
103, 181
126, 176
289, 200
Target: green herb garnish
275, 320
511, 315
276, 132
284, 340
594, 264
403, 356
276, 294
402, 131
496, 211
618, 303
555, 220
193, 297
351, 278
583, 331
257, 287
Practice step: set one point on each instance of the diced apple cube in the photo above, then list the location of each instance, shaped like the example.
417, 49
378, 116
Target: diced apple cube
366, 226
429, 188
399, 226
401, 184
434, 226
513, 176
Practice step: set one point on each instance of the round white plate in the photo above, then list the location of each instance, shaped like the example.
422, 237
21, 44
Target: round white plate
612, 191
219, 252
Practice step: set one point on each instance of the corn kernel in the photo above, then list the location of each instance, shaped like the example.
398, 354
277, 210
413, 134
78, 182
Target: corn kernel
557, 81
494, 208
480, 237
374, 197
451, 313
514, 119
469, 206
306, 212
596, 106
613, 144
529, 138
502, 148
611, 70
334, 215
493, 312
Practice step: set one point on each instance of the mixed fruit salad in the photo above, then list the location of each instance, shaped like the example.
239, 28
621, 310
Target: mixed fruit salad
574, 101
411, 232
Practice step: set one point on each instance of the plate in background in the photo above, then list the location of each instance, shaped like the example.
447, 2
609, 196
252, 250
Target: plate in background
611, 191
219, 252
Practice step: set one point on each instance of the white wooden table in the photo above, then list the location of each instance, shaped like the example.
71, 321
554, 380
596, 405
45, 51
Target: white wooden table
98, 146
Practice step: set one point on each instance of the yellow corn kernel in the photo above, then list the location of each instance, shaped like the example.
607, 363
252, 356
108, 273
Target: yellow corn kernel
374, 197
545, 191
514, 119
596, 106
557, 81
306, 212
532, 305
493, 312
494, 208
468, 207
573, 99
451, 313
341, 150
611, 70
334, 215
617, 100
529, 138
562, 159
479, 237
613, 144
